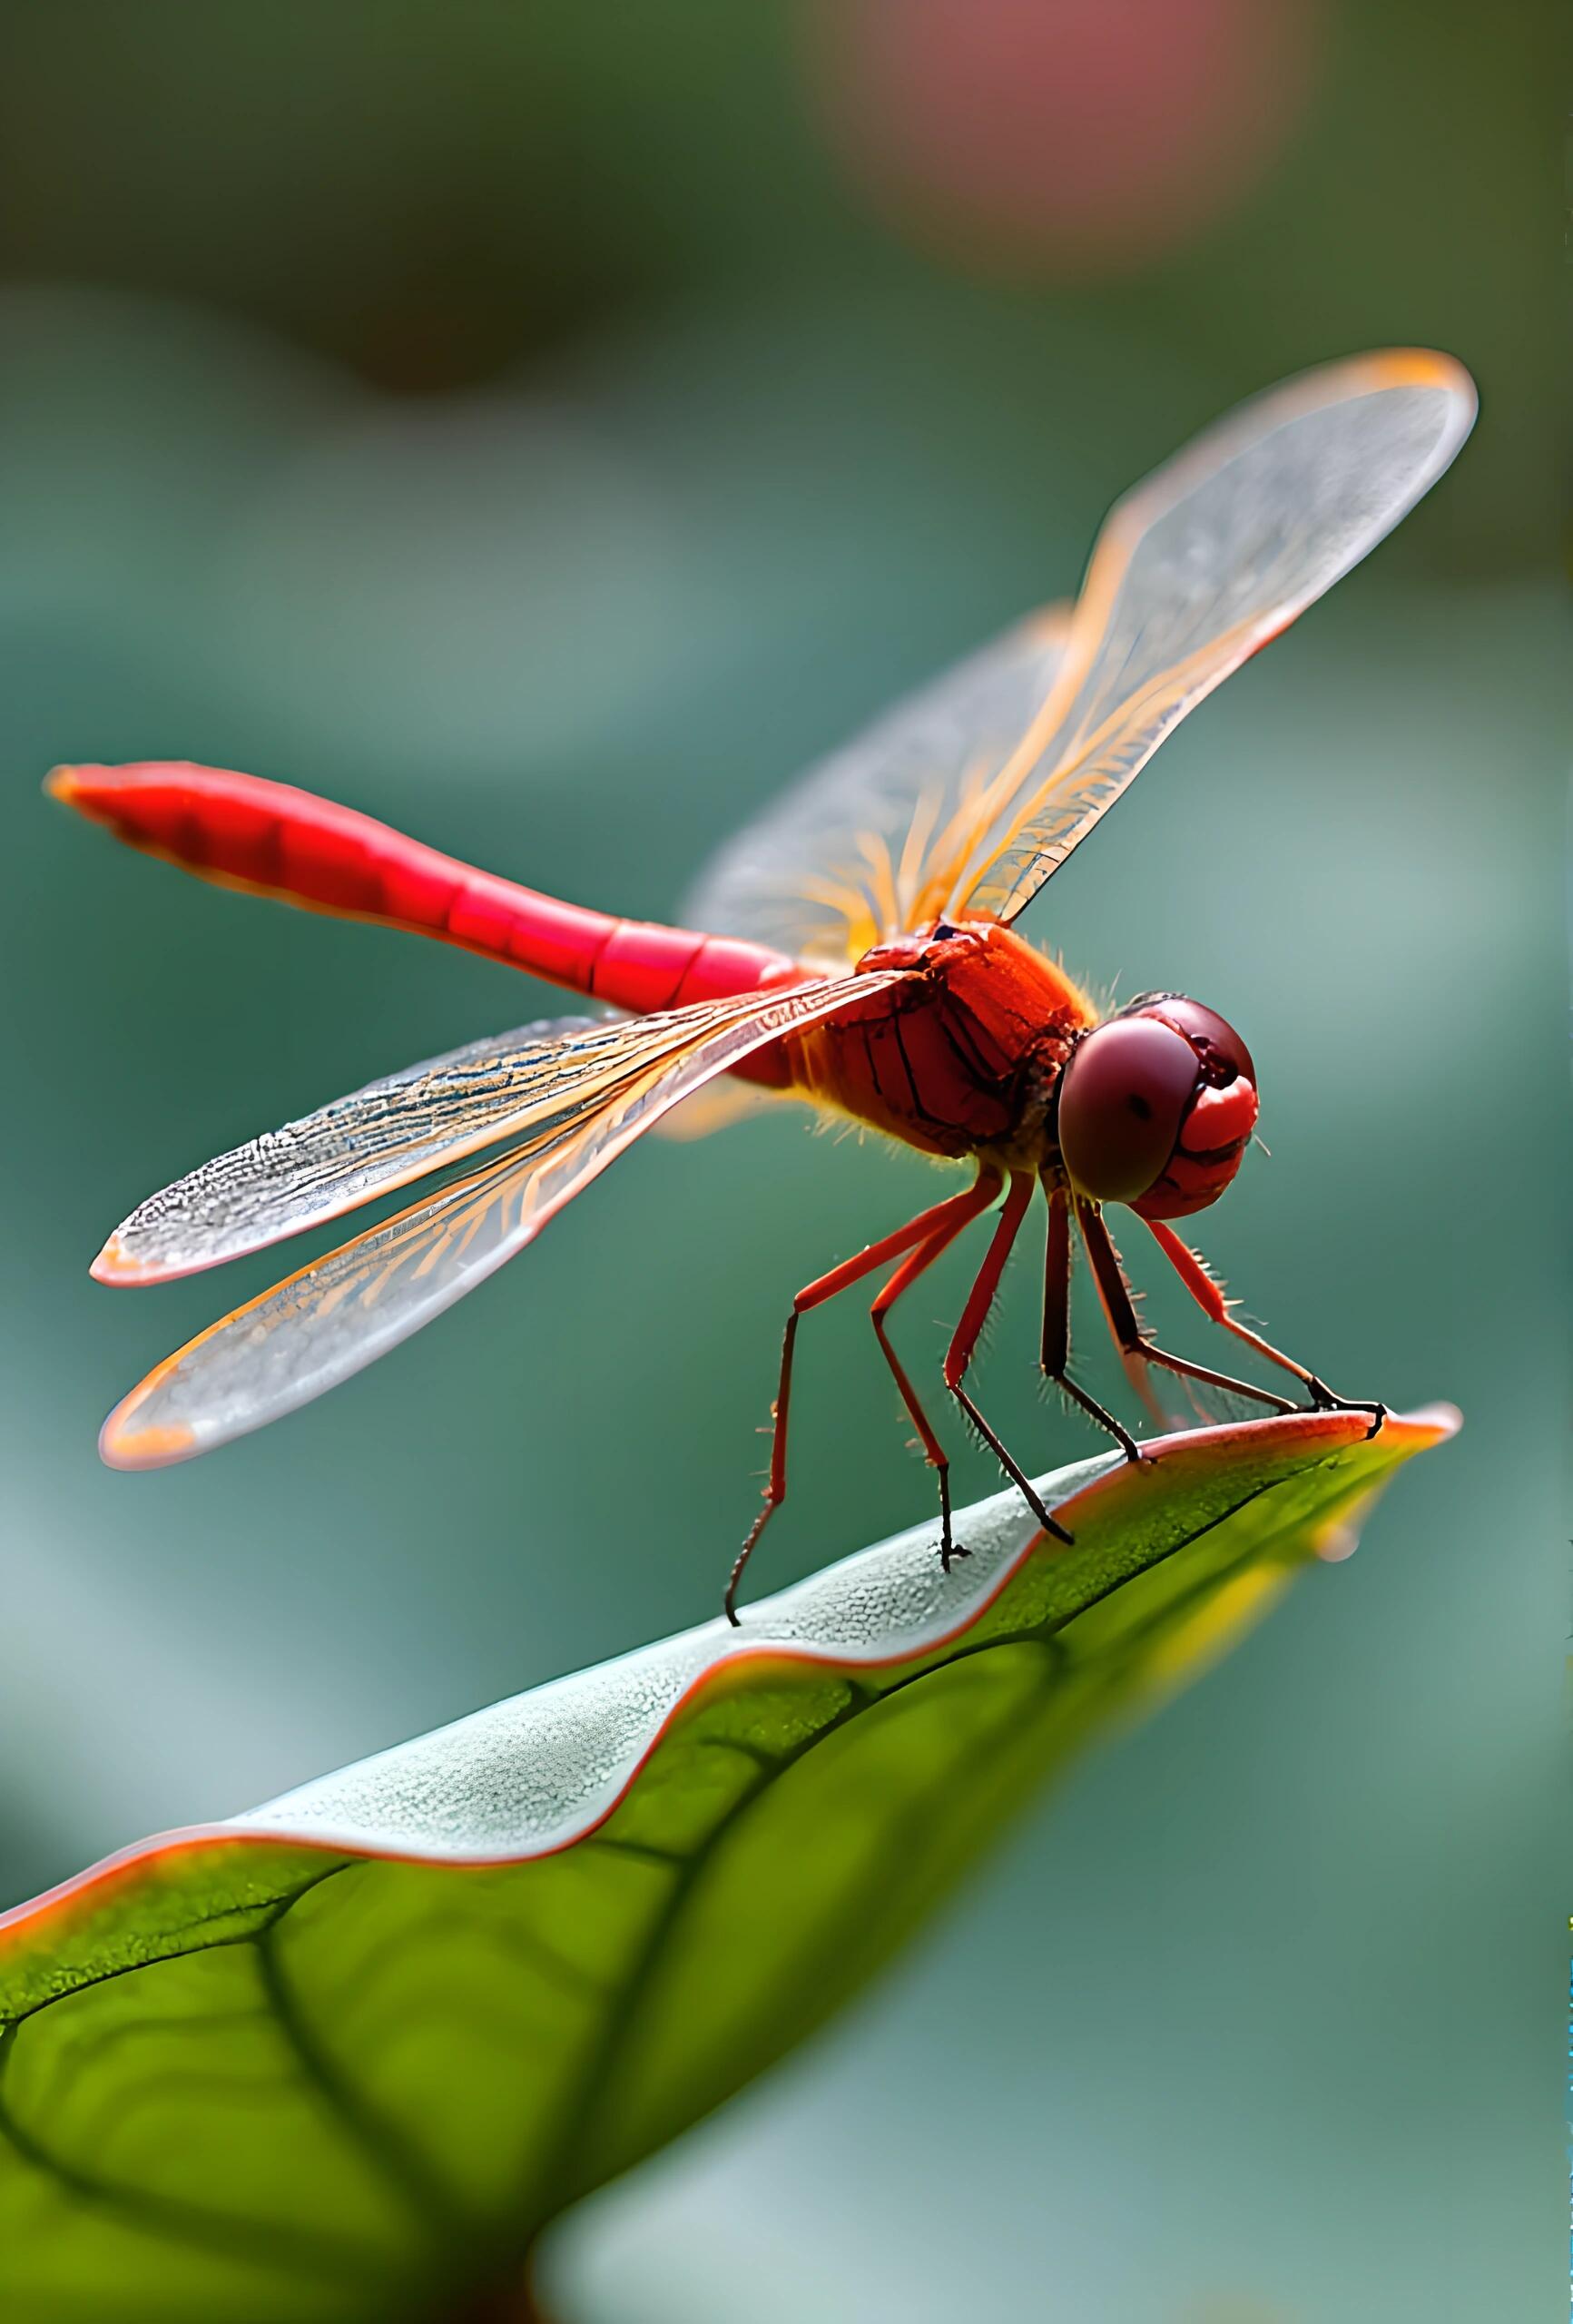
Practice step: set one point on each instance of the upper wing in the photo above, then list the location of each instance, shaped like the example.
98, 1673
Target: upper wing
392, 1131
1194, 571
964, 798
871, 839
334, 1317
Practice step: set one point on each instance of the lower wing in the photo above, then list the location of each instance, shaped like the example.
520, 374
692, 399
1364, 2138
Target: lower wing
334, 1317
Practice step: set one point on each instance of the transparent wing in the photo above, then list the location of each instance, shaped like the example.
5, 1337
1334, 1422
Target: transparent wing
334, 1317
1193, 572
718, 1105
382, 1136
360, 1147
870, 841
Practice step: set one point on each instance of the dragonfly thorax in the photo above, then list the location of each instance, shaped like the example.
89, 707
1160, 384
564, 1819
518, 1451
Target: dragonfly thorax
962, 1058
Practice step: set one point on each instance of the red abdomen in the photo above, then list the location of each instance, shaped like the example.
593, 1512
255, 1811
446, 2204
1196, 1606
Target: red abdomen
276, 841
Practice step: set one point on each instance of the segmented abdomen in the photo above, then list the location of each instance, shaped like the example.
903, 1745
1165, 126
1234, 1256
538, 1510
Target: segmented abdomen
268, 837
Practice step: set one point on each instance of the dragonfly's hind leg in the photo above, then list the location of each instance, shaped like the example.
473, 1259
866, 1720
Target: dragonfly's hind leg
1208, 1294
918, 1263
929, 1232
959, 1355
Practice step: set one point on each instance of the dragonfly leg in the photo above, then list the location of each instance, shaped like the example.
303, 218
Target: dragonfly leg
959, 1355
1055, 1357
916, 1264
1209, 1295
1115, 1293
943, 1218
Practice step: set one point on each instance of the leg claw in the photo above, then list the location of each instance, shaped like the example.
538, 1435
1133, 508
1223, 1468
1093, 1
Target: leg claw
1323, 1399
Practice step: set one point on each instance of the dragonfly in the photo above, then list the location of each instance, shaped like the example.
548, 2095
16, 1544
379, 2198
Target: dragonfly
857, 948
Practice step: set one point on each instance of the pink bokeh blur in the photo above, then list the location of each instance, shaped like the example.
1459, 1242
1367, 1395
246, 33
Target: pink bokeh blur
1070, 139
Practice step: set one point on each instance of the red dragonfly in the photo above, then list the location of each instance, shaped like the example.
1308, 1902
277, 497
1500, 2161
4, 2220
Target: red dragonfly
856, 949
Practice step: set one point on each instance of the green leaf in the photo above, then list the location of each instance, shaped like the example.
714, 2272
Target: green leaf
343, 2058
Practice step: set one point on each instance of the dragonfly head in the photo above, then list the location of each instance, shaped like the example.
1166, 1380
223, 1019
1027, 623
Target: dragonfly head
1156, 1106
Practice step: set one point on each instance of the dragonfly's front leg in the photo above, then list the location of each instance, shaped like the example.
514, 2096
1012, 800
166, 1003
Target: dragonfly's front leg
1208, 1294
1113, 1292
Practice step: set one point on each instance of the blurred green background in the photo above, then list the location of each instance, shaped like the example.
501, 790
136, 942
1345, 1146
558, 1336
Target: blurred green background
547, 427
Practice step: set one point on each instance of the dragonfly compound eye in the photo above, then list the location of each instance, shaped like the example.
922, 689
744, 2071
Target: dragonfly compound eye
1225, 1056
1157, 1107
1219, 1119
1123, 1103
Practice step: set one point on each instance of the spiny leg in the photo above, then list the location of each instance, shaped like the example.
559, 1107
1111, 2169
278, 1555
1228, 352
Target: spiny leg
957, 1210
959, 1355
1119, 1307
1209, 1297
1055, 1356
